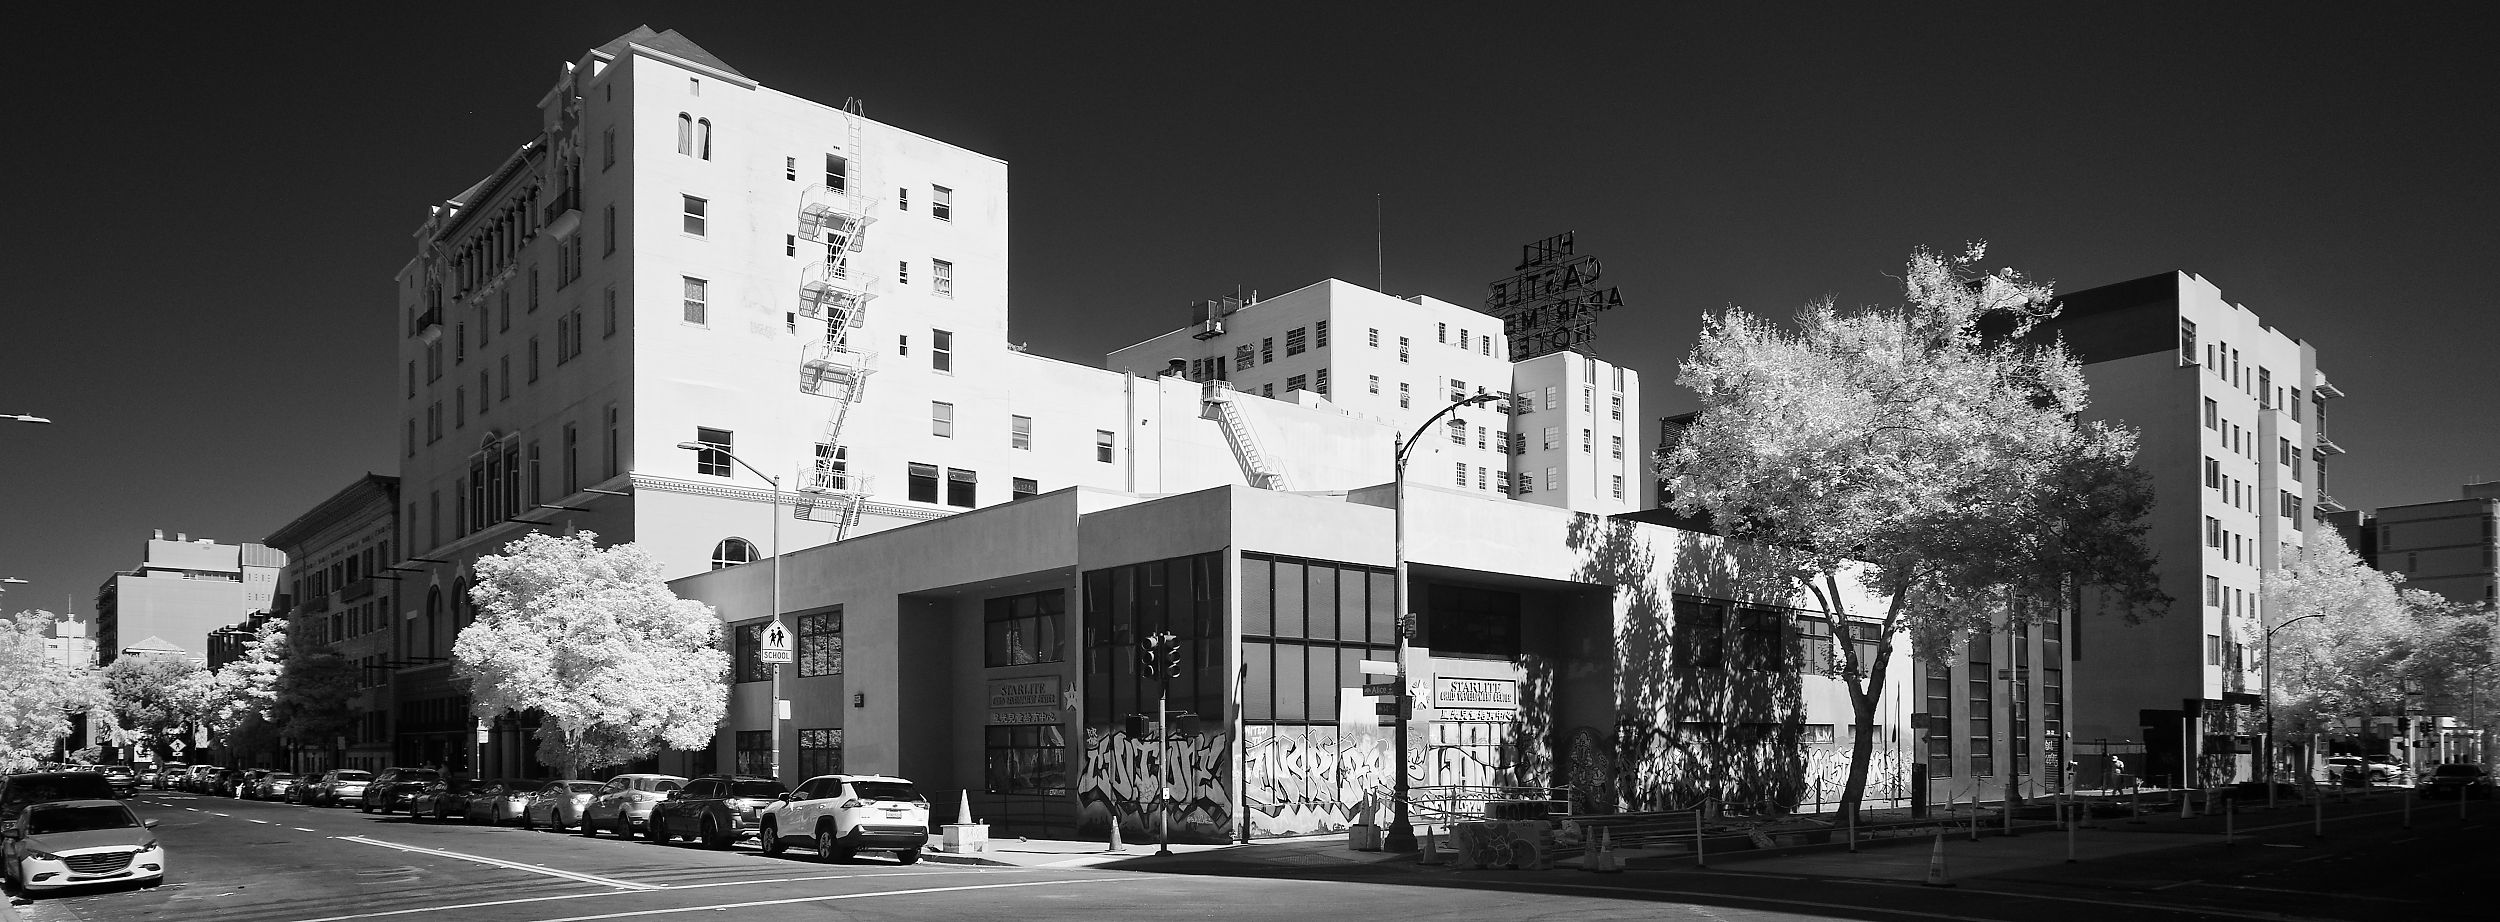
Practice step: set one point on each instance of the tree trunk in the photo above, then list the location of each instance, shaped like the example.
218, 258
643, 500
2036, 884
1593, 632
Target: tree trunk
1864, 681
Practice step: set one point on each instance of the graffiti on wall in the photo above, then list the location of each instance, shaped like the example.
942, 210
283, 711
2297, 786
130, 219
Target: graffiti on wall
1298, 780
1121, 773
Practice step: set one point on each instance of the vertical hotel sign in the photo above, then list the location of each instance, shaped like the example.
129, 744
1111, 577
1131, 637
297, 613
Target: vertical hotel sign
1551, 304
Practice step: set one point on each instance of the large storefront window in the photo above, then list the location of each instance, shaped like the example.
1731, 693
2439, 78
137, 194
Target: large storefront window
755, 753
820, 752
1312, 746
1027, 759
1025, 629
747, 653
820, 643
1118, 775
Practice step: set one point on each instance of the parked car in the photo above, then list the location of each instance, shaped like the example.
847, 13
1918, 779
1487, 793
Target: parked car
2336, 767
441, 799
69, 843
843, 815
558, 804
273, 786
2392, 767
124, 781
498, 802
719, 810
625, 803
20, 790
199, 778
2454, 780
334, 787
162, 777
392, 785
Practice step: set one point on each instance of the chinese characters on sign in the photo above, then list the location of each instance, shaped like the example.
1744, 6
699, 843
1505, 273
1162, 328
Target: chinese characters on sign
1552, 303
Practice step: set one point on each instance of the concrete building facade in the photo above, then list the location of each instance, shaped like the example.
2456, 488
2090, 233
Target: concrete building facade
2232, 416
338, 591
2451, 547
182, 591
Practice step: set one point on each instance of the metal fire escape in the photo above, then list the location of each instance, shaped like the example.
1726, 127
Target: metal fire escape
1219, 398
836, 213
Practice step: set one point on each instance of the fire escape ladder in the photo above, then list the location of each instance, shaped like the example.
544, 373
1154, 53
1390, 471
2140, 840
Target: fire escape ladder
828, 491
1220, 405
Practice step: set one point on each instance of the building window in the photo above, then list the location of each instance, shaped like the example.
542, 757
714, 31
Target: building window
1618, 405
697, 211
902, 199
921, 482
1371, 336
2213, 532
607, 147
748, 655
1462, 474
941, 350
820, 752
1527, 483
2213, 415
1026, 759
685, 133
961, 485
941, 419
1296, 383
1618, 486
1244, 356
1463, 341
819, 650
608, 309
1020, 432
731, 552
1023, 487
790, 168
1295, 341
1375, 383
1103, 443
1319, 335
941, 278
1553, 397
833, 466
942, 203
505, 363
1319, 381
1445, 332
459, 407
713, 460
533, 358
1023, 630
837, 172
1267, 349
1405, 395
902, 272
1586, 442
1618, 448
1402, 350
703, 139
1458, 432
698, 300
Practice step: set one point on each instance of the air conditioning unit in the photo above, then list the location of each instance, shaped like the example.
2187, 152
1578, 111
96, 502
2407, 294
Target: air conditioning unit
1210, 330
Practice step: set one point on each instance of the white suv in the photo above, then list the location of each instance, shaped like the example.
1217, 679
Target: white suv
843, 815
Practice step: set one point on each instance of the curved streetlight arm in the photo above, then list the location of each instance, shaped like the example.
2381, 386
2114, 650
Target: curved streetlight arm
1408, 446
2269, 680
733, 456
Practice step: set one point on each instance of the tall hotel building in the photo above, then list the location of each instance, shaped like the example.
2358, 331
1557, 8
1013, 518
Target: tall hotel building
683, 255
2233, 421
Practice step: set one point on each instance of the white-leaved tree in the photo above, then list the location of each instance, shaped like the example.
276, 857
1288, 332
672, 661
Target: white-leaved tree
37, 695
2376, 642
594, 641
1928, 446
160, 698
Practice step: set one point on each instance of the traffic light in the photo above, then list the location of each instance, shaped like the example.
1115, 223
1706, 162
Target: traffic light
1159, 657
1136, 726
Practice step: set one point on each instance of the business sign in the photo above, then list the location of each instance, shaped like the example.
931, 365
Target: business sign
1024, 700
1475, 694
1552, 303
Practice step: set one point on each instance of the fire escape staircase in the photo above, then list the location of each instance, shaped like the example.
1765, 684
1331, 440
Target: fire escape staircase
831, 289
1221, 406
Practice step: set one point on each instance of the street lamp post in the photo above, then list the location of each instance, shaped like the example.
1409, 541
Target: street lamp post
1401, 835
773, 711
2269, 680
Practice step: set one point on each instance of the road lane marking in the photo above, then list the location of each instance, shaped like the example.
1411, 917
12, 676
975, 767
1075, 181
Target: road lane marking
514, 865
1859, 907
724, 907
262, 822
304, 829
215, 813
703, 886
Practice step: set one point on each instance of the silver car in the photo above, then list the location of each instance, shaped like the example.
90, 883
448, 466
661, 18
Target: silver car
71, 843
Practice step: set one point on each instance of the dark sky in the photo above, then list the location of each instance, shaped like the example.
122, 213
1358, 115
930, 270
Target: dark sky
211, 208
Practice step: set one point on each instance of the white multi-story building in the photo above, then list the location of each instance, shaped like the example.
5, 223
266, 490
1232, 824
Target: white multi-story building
2232, 415
685, 256
1562, 438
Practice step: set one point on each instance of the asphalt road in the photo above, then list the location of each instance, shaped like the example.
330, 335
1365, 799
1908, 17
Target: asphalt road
255, 862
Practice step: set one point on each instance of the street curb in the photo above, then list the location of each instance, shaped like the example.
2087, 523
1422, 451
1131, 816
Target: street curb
950, 858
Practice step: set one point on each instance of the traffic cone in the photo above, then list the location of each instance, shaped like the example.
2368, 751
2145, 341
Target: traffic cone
1935, 866
963, 813
1115, 834
1431, 850
1603, 861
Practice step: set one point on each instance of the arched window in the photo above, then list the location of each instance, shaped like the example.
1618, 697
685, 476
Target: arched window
703, 139
731, 552
433, 616
685, 133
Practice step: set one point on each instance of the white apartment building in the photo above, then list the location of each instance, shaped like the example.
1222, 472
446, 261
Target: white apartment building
1564, 437
684, 255
2232, 415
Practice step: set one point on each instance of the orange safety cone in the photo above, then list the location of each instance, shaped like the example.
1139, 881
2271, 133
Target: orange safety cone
963, 811
1604, 860
1431, 850
1115, 834
1935, 866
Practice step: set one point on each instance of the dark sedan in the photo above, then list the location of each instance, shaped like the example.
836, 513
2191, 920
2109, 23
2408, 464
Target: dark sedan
718, 810
2455, 781
442, 799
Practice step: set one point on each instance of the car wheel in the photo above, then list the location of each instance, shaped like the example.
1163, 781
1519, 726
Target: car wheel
712, 837
624, 826
830, 849
589, 829
908, 856
770, 840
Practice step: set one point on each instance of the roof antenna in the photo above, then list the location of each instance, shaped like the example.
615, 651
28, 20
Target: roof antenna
1379, 246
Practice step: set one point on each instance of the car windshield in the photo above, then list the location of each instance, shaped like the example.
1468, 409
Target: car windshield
351, 775
764, 789
583, 787
52, 820
427, 775
885, 790
35, 789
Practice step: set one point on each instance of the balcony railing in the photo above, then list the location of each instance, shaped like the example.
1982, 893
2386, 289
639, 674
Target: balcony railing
356, 589
558, 206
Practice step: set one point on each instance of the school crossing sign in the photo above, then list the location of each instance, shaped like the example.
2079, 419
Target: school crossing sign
775, 648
